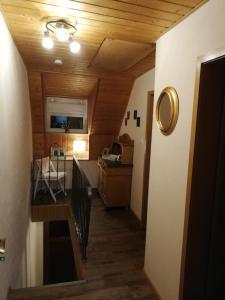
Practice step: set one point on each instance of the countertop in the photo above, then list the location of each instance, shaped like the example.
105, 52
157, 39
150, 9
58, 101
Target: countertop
114, 164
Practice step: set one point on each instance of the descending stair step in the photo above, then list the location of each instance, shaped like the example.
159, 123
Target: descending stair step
119, 293
56, 291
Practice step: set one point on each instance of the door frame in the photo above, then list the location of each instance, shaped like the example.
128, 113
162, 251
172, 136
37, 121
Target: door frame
147, 157
200, 60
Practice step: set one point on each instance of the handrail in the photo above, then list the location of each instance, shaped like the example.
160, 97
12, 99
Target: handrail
81, 205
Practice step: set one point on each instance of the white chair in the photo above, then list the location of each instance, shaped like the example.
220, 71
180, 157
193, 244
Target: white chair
46, 172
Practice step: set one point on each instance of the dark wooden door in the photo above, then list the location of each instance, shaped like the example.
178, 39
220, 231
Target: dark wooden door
216, 265
204, 275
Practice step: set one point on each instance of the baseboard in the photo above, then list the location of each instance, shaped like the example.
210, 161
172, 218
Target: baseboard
156, 294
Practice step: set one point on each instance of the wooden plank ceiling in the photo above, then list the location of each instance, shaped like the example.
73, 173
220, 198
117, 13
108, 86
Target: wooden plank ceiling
140, 21
132, 21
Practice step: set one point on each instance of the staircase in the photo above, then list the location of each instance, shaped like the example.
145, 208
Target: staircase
114, 266
123, 287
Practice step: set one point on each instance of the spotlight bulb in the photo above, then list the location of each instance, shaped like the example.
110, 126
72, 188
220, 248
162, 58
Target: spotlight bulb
47, 42
62, 34
74, 47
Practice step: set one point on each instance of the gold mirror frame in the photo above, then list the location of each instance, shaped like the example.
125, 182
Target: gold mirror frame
174, 110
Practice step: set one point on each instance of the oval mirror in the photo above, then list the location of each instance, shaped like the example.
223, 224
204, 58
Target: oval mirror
167, 110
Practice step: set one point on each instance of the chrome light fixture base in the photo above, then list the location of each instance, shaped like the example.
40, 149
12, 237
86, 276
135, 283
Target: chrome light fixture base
63, 31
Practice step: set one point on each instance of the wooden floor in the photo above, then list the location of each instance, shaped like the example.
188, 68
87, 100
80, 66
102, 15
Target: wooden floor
116, 251
113, 270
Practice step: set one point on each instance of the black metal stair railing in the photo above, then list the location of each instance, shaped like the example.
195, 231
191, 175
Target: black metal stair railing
81, 205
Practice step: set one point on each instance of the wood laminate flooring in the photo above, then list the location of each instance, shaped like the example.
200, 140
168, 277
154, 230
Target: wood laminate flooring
115, 253
114, 266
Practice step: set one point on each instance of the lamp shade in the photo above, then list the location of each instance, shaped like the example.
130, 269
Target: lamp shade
47, 42
62, 34
79, 146
74, 47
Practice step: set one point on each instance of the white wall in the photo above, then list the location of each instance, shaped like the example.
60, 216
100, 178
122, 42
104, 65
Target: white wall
176, 57
16, 155
138, 101
90, 168
35, 255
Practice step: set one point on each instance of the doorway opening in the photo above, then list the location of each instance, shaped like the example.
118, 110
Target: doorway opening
204, 258
148, 139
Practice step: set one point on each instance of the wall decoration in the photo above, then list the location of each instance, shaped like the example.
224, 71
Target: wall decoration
135, 114
167, 110
128, 115
138, 122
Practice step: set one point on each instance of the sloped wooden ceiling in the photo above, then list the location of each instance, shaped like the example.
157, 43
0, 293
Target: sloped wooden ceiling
130, 20
68, 85
118, 56
110, 106
135, 21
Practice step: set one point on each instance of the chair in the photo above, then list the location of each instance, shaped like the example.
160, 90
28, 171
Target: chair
46, 172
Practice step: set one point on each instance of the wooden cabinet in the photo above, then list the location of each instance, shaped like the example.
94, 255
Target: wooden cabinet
114, 184
114, 181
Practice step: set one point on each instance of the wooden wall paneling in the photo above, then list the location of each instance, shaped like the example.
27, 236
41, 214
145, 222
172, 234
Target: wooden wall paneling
108, 99
38, 144
91, 105
36, 100
146, 64
68, 85
97, 143
64, 140
37, 113
54, 140
112, 99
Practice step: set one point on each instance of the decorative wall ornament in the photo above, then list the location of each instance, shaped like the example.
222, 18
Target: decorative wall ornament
167, 110
138, 122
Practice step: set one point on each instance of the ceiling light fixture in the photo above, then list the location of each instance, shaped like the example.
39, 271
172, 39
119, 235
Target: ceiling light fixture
58, 61
47, 42
63, 32
74, 46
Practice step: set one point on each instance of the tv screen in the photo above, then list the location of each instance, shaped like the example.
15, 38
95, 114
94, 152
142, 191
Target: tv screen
63, 121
